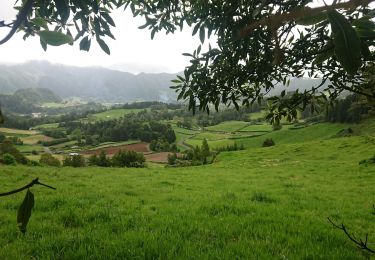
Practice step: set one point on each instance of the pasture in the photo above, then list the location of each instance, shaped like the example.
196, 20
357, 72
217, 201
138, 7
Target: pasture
260, 203
112, 114
228, 126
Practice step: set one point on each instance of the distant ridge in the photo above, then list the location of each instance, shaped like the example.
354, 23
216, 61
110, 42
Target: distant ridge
90, 83
101, 84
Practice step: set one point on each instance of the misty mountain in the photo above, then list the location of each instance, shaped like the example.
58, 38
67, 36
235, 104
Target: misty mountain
101, 84
90, 83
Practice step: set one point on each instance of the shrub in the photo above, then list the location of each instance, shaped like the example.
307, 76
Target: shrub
75, 160
7, 147
102, 160
172, 158
229, 148
128, 159
48, 159
9, 159
268, 142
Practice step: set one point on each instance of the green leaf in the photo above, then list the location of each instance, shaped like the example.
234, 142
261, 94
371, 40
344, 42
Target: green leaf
63, 9
43, 44
85, 44
364, 24
195, 29
202, 34
346, 41
312, 19
55, 38
104, 46
38, 21
321, 57
24, 211
108, 18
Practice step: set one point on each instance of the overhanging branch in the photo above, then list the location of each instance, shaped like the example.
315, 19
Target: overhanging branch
276, 20
21, 17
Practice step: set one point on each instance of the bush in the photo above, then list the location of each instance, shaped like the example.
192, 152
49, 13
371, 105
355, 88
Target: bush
229, 148
9, 159
102, 160
74, 160
48, 159
172, 158
268, 142
7, 147
128, 159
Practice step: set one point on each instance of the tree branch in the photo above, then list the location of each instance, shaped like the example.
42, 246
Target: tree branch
276, 20
21, 17
359, 242
32, 183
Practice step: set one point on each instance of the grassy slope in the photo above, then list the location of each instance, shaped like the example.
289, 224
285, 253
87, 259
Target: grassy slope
265, 203
228, 126
113, 114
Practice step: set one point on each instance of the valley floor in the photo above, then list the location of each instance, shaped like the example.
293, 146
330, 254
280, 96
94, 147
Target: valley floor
260, 203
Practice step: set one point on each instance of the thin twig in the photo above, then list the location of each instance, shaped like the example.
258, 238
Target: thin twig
32, 183
359, 242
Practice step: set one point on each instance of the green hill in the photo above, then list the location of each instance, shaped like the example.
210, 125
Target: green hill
260, 203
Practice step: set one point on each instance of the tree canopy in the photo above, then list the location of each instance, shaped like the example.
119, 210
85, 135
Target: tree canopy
260, 43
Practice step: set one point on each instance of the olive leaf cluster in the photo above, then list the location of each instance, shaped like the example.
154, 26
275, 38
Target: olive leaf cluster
259, 44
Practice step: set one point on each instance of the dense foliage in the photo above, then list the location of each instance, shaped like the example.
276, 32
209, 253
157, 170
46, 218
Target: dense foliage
130, 127
120, 159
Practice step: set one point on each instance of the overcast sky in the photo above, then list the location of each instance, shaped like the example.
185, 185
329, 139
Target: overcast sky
133, 50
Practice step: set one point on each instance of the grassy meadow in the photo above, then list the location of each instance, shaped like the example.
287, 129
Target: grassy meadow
112, 114
260, 203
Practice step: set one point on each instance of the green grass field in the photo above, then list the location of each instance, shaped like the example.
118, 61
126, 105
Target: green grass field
228, 126
112, 144
33, 139
28, 148
112, 114
17, 132
260, 203
257, 128
47, 126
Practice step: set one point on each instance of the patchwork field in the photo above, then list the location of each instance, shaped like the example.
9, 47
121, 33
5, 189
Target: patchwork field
111, 150
261, 203
228, 126
17, 132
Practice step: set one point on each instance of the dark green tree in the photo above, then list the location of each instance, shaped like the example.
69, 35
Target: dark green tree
205, 151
